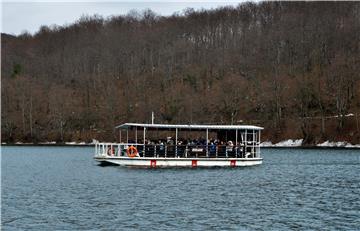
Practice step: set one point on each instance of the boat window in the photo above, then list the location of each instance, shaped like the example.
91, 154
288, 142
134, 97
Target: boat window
251, 136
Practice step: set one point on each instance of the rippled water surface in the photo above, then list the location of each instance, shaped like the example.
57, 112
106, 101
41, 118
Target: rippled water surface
63, 188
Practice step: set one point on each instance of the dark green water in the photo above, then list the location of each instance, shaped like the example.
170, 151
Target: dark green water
63, 188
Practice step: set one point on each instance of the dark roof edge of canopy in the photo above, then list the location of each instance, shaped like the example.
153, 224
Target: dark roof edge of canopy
189, 126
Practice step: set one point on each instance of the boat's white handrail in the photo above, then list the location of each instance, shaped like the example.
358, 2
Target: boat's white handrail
121, 149
103, 149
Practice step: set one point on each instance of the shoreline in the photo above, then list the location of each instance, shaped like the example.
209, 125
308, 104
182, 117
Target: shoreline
287, 144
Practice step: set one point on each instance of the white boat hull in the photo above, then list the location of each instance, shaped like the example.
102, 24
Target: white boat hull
178, 162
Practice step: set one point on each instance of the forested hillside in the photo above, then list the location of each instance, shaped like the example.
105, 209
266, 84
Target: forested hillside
291, 67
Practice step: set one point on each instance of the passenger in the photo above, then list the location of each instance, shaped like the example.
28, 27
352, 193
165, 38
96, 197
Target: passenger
161, 144
212, 148
221, 148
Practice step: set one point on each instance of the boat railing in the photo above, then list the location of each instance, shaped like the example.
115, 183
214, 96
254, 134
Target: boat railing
115, 149
179, 151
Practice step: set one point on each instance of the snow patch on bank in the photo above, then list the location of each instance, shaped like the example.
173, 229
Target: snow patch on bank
284, 143
348, 145
94, 141
82, 143
55, 143
75, 143
289, 143
298, 143
48, 142
266, 144
20, 143
339, 144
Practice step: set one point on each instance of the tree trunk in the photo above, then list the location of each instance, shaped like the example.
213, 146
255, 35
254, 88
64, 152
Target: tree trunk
23, 113
31, 116
61, 130
357, 122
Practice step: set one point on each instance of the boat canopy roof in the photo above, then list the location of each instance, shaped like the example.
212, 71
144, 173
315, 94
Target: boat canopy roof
189, 126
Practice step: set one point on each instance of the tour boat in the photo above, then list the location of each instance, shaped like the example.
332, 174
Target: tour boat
221, 146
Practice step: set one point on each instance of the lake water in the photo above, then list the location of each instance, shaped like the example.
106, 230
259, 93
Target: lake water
63, 188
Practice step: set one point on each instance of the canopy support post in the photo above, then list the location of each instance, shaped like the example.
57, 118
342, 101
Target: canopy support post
236, 143
144, 142
207, 142
136, 135
176, 142
245, 143
127, 135
259, 142
119, 135
144, 136
253, 141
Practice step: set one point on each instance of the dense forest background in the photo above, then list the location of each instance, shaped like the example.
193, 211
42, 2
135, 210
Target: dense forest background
291, 67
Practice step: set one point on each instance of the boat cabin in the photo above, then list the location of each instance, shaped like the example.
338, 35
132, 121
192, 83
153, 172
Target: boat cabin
138, 140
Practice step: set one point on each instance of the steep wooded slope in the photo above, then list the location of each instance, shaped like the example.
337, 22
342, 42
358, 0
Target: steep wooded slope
292, 67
